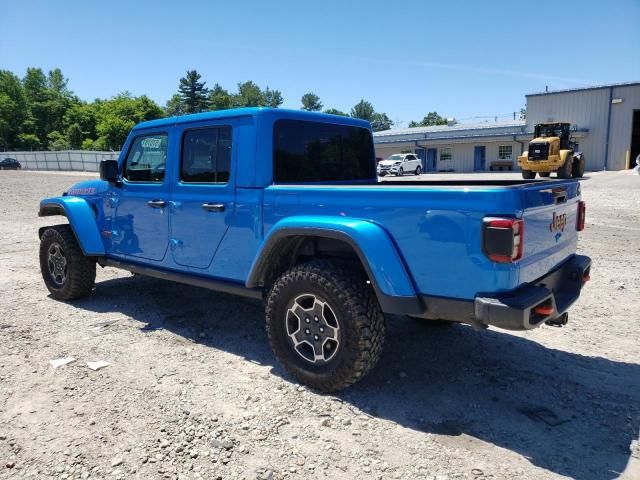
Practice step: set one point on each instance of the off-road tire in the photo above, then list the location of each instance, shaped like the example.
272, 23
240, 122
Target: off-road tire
566, 169
418, 170
578, 168
81, 270
544, 174
358, 313
528, 174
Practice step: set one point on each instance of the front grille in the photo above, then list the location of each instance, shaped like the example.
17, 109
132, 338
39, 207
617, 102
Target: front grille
538, 151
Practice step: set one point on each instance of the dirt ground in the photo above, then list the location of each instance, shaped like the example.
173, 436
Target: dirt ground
193, 391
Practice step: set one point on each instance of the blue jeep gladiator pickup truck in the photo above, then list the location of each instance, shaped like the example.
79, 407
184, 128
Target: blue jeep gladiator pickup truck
285, 206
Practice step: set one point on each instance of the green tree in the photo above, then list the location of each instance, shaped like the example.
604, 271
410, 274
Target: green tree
48, 99
13, 110
311, 102
363, 110
117, 116
57, 141
333, 111
29, 141
74, 136
523, 114
193, 93
431, 119
219, 98
249, 95
272, 98
82, 114
381, 122
174, 106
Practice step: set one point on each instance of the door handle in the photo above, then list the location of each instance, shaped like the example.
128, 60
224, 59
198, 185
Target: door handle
213, 207
157, 203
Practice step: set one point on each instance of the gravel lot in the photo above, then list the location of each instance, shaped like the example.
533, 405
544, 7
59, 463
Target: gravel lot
193, 390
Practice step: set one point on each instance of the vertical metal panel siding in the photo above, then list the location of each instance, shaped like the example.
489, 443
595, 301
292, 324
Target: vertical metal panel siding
621, 123
586, 109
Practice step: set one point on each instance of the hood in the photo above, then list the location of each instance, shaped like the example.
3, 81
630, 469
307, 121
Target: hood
544, 139
388, 163
87, 188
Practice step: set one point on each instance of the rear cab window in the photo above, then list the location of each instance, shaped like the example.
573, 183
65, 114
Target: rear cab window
314, 152
206, 155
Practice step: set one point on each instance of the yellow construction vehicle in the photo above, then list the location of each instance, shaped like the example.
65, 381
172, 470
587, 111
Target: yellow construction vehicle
552, 150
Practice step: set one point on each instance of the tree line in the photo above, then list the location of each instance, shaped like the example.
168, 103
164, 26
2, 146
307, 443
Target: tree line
39, 112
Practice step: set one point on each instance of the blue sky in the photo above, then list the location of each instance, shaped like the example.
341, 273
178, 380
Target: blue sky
462, 59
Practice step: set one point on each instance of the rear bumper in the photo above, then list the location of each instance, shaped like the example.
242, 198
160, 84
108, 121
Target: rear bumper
515, 310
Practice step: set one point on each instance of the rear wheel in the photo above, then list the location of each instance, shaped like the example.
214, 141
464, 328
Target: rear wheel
528, 174
325, 325
566, 169
544, 174
418, 170
67, 272
578, 168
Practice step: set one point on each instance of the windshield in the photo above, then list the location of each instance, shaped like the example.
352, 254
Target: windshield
396, 157
547, 131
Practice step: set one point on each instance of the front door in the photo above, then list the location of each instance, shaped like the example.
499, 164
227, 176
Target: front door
432, 155
479, 158
140, 225
203, 200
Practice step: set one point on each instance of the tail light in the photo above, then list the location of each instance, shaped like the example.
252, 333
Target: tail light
582, 212
503, 239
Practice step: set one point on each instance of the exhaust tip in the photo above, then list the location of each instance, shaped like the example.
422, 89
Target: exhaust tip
560, 321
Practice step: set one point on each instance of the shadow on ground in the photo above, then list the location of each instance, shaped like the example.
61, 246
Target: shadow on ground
567, 413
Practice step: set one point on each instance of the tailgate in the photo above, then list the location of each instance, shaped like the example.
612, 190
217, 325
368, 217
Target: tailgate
550, 226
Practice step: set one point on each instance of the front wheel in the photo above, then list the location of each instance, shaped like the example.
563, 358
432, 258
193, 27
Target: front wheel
578, 168
418, 170
528, 174
67, 272
324, 324
400, 172
566, 170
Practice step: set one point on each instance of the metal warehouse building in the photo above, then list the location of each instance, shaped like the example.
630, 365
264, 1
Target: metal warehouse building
605, 122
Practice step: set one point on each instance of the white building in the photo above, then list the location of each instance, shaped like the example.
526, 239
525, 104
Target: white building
605, 122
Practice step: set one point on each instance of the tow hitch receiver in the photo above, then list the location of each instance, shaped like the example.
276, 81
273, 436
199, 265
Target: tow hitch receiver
560, 321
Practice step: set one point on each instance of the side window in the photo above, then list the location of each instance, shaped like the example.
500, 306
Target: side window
147, 159
206, 155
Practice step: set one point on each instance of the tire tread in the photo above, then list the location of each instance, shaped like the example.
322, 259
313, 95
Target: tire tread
358, 299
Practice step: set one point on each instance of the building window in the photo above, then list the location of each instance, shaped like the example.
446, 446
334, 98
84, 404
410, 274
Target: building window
505, 152
446, 154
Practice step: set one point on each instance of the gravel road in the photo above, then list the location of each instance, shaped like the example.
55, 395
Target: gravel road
192, 389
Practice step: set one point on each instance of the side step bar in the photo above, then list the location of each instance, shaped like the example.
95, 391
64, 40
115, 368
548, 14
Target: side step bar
194, 280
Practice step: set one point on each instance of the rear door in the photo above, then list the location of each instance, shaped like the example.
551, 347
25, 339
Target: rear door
203, 200
550, 226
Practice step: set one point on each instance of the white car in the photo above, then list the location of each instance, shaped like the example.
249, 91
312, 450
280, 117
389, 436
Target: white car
399, 164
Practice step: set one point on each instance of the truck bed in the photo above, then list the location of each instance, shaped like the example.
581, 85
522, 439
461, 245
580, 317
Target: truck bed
437, 225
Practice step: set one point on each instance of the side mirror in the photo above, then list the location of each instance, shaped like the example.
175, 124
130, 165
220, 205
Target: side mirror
109, 171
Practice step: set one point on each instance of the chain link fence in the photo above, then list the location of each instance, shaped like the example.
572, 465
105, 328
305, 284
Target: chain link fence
65, 160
